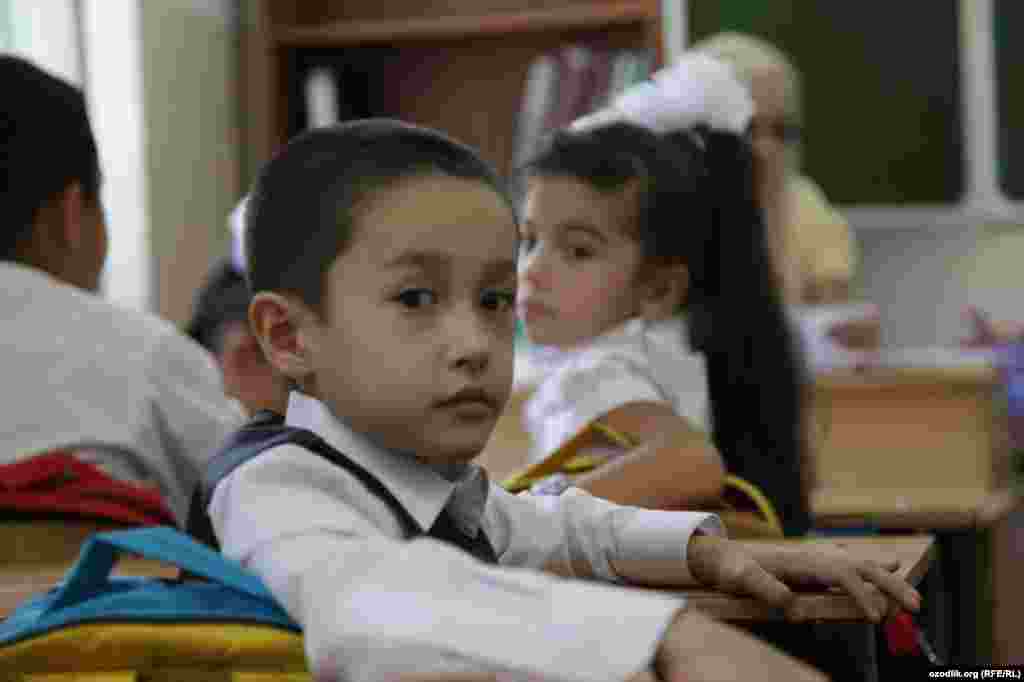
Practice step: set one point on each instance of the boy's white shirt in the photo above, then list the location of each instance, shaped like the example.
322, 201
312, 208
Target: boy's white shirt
637, 361
126, 390
372, 604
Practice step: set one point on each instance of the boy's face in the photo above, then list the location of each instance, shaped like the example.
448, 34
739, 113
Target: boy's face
577, 264
415, 346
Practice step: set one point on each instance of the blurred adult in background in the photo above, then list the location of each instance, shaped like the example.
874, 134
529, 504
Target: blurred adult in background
815, 254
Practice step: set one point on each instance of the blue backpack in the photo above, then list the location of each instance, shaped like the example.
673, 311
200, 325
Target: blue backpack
94, 624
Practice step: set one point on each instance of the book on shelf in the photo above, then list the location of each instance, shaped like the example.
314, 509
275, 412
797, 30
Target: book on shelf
574, 62
540, 92
599, 78
326, 88
322, 98
568, 83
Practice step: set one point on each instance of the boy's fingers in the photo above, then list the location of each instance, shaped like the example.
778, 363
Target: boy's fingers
870, 601
892, 585
762, 585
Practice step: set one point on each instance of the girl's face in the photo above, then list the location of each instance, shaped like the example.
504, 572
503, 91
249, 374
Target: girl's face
578, 262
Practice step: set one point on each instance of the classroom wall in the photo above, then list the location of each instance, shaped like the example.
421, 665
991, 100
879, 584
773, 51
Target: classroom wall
192, 141
922, 278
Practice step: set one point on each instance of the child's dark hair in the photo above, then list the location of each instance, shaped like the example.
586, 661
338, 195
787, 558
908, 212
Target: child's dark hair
300, 213
40, 112
697, 206
221, 301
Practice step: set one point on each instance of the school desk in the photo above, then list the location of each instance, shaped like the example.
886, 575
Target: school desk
834, 617
925, 448
911, 428
47, 541
19, 581
980, 548
914, 553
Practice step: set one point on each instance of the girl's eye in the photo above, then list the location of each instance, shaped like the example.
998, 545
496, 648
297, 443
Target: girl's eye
526, 244
416, 298
499, 301
580, 252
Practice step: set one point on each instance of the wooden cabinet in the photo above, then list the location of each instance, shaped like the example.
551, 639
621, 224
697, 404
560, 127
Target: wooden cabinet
458, 65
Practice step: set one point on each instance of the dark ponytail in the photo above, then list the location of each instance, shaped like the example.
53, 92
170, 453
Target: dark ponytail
698, 207
756, 379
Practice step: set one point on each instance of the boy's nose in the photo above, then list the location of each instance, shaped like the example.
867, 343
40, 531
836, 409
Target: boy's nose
470, 343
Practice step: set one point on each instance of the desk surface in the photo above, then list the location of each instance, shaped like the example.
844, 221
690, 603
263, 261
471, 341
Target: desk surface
20, 581
924, 509
913, 552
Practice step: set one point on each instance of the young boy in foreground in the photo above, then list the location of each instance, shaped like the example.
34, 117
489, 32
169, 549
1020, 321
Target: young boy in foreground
382, 258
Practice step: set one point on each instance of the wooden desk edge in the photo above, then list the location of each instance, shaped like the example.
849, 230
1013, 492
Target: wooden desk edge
817, 606
990, 508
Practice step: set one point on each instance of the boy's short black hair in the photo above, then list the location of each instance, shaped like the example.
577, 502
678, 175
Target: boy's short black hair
46, 143
222, 300
301, 210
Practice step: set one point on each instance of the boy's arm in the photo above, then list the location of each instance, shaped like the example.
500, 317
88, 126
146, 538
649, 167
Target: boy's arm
373, 607
685, 549
765, 571
576, 534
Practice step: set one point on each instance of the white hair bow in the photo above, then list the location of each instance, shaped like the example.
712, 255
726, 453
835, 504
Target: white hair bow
696, 89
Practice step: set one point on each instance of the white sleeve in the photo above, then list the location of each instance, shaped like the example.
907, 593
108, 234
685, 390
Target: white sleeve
586, 389
577, 528
372, 606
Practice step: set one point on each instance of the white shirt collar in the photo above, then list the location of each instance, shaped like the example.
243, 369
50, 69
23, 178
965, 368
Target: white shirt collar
673, 328
416, 485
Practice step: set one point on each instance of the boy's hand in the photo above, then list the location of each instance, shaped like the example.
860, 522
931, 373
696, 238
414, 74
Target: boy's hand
698, 649
763, 571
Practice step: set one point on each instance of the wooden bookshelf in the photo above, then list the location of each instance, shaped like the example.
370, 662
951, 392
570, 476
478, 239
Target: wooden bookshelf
456, 65
459, 27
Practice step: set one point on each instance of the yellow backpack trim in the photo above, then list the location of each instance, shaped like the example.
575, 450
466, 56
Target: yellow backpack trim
157, 652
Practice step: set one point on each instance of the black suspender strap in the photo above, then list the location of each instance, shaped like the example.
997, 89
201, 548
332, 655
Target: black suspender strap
267, 430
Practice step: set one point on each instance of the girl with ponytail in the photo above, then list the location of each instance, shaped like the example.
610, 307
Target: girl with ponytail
644, 267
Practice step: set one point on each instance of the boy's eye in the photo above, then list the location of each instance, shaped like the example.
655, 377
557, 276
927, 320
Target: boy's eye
416, 298
499, 300
581, 252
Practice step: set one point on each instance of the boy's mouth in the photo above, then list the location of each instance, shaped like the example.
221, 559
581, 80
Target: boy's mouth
469, 397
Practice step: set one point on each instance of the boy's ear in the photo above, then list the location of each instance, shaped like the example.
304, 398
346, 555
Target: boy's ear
59, 223
665, 291
71, 203
283, 325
